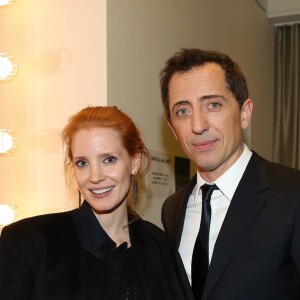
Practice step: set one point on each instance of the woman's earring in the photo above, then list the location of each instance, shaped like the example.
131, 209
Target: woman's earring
135, 189
79, 198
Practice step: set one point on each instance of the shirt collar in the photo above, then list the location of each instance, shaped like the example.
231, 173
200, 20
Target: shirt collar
92, 236
228, 182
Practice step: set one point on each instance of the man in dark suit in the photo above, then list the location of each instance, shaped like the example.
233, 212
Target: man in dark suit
250, 248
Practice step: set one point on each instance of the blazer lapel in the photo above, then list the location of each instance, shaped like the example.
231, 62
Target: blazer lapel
245, 205
174, 213
181, 210
174, 228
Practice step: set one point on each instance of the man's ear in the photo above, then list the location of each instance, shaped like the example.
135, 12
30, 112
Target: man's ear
246, 113
172, 128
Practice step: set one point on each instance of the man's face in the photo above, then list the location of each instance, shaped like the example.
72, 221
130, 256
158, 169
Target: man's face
206, 119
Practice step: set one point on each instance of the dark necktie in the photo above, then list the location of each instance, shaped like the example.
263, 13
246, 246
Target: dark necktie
200, 260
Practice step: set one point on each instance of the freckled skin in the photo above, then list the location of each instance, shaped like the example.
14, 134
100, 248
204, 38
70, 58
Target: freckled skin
206, 119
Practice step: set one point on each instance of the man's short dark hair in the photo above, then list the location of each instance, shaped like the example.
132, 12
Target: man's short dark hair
187, 59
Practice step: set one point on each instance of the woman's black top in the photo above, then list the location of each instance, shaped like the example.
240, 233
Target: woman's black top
68, 256
131, 285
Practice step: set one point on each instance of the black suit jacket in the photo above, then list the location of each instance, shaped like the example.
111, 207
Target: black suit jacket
257, 252
61, 257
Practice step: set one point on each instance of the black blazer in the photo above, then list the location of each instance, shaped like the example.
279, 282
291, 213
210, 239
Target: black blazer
257, 252
46, 257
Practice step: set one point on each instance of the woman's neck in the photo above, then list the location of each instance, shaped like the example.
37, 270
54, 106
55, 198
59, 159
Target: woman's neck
114, 224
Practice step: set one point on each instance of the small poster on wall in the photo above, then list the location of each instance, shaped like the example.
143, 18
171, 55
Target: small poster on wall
160, 177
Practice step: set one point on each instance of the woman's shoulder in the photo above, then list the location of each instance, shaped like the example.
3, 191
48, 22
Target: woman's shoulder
150, 226
147, 230
39, 225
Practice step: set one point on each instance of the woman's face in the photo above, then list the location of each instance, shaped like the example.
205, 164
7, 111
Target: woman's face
103, 168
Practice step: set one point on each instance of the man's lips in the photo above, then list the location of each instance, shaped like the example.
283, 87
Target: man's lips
204, 145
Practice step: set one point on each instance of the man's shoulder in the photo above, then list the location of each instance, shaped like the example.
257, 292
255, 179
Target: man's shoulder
181, 192
279, 179
275, 169
177, 199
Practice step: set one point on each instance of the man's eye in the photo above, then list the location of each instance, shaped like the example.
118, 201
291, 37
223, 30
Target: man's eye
214, 105
110, 160
182, 112
81, 163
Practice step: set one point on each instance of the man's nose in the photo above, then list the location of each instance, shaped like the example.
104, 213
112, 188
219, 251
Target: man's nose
199, 122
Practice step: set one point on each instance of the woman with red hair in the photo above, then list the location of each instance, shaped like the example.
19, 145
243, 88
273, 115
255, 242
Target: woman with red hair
103, 249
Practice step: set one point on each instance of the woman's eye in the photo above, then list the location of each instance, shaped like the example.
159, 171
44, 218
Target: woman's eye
110, 160
81, 163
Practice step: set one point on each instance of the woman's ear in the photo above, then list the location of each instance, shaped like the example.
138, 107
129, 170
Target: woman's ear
136, 163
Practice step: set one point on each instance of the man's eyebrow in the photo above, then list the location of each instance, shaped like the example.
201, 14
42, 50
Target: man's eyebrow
181, 102
207, 97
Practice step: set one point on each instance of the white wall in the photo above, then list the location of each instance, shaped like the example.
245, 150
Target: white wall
143, 34
60, 47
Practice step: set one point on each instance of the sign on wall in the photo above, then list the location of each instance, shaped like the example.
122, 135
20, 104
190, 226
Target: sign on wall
160, 177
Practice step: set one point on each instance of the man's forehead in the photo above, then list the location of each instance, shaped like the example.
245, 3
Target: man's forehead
194, 80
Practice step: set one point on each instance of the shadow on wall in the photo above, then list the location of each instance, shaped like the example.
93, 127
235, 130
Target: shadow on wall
53, 61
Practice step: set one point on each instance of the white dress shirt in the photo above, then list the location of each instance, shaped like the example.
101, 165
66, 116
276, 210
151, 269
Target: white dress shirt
220, 201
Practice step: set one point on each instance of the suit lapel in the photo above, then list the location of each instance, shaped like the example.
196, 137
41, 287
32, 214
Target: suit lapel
174, 226
181, 209
175, 214
245, 205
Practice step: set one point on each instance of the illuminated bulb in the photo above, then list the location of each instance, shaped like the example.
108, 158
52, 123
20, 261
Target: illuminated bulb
7, 215
8, 66
8, 141
5, 2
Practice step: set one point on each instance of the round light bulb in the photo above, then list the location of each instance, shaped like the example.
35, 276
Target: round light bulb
6, 67
6, 142
6, 215
5, 2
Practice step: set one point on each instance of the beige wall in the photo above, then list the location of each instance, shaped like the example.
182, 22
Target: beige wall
283, 8
143, 34
60, 47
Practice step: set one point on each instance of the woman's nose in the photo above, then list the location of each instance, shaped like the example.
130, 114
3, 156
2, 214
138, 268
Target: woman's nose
97, 174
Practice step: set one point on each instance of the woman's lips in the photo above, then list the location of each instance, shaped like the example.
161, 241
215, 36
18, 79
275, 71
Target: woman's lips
100, 193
